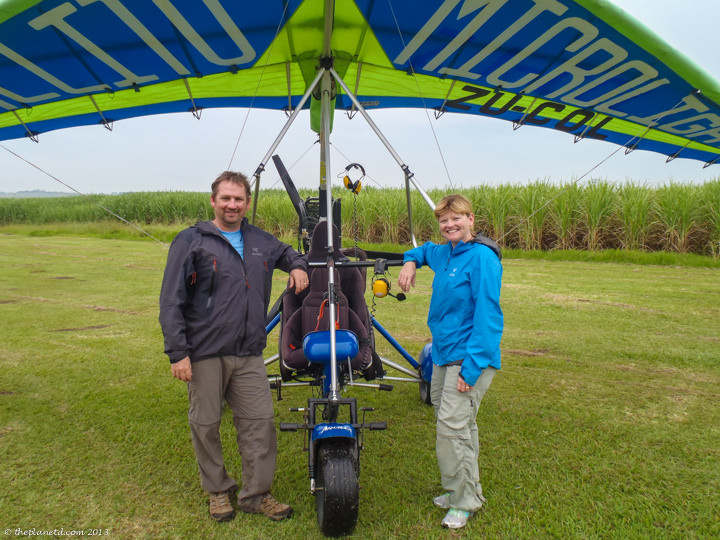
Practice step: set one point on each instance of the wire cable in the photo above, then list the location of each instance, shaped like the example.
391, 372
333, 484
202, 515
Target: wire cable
257, 87
347, 159
422, 98
629, 144
83, 194
295, 163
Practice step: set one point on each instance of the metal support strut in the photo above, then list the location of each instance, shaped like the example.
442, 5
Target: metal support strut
326, 187
409, 175
280, 137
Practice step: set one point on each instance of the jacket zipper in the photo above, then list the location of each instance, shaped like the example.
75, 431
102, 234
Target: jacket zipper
247, 299
212, 284
447, 263
247, 285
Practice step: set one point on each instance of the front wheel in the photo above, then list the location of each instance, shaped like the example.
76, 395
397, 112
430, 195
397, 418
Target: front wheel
336, 489
425, 393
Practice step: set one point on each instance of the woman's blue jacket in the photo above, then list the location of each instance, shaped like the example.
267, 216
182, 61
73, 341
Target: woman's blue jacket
465, 318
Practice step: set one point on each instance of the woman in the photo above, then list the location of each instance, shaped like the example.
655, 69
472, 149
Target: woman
466, 323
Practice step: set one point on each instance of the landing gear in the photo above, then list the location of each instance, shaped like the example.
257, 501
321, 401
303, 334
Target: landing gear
334, 459
425, 369
425, 393
336, 489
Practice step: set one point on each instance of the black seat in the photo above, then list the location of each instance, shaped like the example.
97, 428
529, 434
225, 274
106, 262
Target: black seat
308, 311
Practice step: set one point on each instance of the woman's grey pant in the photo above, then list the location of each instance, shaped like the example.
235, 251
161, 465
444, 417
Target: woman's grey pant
457, 445
242, 382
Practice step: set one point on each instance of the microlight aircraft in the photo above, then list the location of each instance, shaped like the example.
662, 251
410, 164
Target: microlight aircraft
582, 67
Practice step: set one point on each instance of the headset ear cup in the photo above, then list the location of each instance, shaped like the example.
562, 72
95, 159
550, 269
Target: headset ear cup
355, 187
381, 287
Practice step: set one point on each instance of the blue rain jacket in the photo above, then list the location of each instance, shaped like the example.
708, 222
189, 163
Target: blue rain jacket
465, 318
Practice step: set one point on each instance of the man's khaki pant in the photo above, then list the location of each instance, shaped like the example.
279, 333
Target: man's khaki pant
457, 445
242, 382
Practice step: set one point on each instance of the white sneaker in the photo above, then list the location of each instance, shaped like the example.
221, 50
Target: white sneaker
456, 519
442, 501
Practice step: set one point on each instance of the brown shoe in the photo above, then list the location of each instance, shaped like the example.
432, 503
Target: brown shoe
271, 508
220, 507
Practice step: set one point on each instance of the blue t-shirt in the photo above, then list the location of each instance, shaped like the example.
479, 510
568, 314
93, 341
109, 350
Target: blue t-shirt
235, 239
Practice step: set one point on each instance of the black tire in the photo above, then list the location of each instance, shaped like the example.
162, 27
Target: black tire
425, 393
337, 492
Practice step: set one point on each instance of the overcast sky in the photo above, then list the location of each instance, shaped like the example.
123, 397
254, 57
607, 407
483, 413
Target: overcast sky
178, 152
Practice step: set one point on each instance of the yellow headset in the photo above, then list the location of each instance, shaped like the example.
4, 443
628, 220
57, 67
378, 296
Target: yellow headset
353, 186
381, 289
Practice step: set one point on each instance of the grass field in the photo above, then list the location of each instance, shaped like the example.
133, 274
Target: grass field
603, 423
597, 215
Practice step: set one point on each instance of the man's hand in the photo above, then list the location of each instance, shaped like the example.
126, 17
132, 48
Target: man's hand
406, 278
298, 280
182, 370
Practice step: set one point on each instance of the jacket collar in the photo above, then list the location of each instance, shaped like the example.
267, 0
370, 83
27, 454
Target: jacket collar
208, 227
485, 241
478, 239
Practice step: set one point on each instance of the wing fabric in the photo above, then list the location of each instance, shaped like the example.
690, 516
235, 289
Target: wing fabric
579, 66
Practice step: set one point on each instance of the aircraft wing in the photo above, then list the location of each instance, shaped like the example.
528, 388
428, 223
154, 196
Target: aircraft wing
578, 66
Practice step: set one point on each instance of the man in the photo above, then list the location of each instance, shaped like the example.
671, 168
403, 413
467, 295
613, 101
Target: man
213, 303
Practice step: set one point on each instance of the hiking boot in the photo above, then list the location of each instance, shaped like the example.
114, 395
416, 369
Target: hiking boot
270, 507
456, 519
442, 501
220, 507
273, 509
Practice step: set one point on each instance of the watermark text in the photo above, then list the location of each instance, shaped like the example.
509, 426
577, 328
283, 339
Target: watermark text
55, 532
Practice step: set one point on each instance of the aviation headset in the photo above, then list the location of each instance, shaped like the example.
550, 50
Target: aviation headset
381, 289
354, 186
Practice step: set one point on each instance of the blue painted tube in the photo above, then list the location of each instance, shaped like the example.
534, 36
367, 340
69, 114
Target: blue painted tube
392, 341
269, 328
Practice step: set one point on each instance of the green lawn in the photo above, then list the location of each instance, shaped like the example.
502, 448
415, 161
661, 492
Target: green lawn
603, 423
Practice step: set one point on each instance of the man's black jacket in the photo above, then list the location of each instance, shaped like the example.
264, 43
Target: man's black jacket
214, 303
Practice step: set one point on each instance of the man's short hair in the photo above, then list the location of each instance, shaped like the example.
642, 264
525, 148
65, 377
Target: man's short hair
234, 177
453, 203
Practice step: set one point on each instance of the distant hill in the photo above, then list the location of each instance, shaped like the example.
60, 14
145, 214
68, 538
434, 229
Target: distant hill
35, 193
